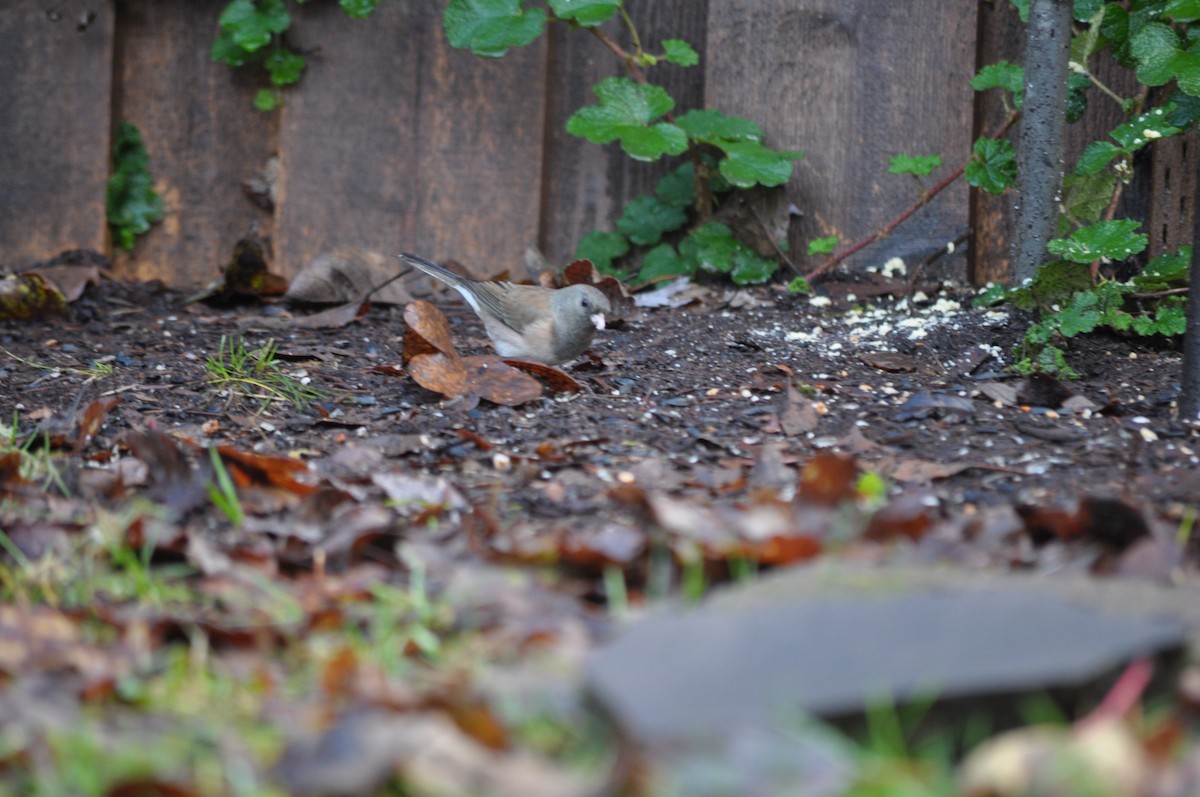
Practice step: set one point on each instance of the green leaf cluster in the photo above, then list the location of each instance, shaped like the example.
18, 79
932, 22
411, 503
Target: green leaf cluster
132, 203
253, 30
993, 165
637, 115
1071, 305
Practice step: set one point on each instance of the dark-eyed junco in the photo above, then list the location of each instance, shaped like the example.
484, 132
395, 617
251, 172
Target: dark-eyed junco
529, 322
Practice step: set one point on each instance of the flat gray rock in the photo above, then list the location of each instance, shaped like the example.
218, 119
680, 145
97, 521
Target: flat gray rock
750, 656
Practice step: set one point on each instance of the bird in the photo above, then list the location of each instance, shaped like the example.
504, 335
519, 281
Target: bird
528, 322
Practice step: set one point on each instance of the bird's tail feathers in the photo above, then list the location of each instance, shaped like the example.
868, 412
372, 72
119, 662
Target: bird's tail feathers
432, 269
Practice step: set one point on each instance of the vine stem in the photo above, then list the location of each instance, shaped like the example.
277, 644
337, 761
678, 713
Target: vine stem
921, 201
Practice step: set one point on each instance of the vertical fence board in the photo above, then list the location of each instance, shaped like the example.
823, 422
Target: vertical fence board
348, 136
585, 185
394, 141
993, 217
203, 134
54, 132
853, 83
1173, 194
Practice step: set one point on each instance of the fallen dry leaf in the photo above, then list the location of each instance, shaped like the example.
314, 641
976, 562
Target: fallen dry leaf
24, 297
430, 324
349, 275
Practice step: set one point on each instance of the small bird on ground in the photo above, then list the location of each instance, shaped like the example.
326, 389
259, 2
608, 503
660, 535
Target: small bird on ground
529, 322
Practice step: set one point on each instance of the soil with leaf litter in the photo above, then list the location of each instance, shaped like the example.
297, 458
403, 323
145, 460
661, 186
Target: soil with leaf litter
741, 429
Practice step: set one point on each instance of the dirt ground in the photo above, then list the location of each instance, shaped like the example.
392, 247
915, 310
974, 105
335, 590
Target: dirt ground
688, 418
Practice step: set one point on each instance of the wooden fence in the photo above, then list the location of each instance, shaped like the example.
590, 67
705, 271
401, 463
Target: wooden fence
394, 141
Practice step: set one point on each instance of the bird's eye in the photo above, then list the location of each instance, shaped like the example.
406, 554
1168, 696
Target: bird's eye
586, 303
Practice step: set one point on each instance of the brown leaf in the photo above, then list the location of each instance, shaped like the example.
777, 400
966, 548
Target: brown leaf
70, 281
581, 272
94, 415
174, 483
438, 372
908, 517
149, 787
799, 414
431, 325
558, 381
491, 379
250, 469
782, 549
891, 362
828, 479
594, 549
922, 471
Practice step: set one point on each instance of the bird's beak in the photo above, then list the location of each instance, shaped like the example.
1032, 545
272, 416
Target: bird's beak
598, 320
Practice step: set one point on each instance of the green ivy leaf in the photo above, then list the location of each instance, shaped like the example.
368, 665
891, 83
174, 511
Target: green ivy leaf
489, 28
1183, 110
749, 267
359, 9
1168, 270
1056, 282
1161, 57
1115, 240
1085, 196
662, 261
226, 51
132, 203
1081, 316
1002, 75
1183, 10
822, 246
587, 13
251, 25
1145, 128
680, 53
1086, 10
627, 111
710, 126
284, 66
602, 248
1095, 157
646, 219
267, 99
799, 285
749, 163
919, 165
993, 165
678, 187
1171, 316
1022, 7
710, 247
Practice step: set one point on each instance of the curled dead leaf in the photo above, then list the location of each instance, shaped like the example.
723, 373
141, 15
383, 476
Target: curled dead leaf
430, 325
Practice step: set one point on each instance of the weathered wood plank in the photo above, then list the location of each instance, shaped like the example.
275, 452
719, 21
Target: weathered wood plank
586, 186
993, 217
54, 132
394, 141
203, 134
853, 82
